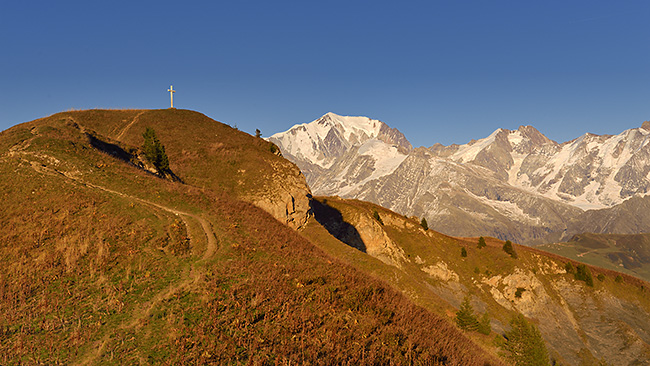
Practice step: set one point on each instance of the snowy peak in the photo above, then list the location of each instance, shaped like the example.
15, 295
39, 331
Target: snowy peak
322, 141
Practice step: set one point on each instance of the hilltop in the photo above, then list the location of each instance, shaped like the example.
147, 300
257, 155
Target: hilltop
103, 261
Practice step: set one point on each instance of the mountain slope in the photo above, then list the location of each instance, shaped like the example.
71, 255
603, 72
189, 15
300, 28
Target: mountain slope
103, 262
581, 324
513, 184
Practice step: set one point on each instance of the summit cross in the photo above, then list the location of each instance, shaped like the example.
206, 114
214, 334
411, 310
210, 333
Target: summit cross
171, 95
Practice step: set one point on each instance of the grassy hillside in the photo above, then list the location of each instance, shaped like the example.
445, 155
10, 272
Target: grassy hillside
104, 262
582, 324
624, 253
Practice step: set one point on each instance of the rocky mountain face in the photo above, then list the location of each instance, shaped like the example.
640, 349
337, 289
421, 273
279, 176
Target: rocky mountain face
513, 184
583, 323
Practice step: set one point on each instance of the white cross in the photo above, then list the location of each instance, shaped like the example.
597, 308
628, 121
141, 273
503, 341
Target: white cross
171, 94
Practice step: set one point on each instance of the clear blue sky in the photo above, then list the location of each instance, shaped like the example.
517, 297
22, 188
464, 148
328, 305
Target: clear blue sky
439, 71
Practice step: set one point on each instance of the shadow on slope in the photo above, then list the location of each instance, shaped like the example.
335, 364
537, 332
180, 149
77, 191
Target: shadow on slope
332, 220
130, 156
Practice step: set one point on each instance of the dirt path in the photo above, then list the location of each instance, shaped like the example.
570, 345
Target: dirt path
211, 242
187, 278
135, 119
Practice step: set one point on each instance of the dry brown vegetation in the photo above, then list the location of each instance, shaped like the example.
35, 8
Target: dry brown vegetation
96, 268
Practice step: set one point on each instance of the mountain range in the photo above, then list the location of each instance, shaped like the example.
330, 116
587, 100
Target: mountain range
514, 184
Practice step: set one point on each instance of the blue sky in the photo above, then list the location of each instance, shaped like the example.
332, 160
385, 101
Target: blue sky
439, 71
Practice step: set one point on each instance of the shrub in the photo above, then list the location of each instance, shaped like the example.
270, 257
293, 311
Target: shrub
424, 224
481, 242
463, 252
477, 270
510, 249
375, 214
601, 277
569, 267
618, 279
520, 290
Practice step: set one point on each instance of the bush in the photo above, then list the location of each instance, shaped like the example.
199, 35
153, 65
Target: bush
424, 224
601, 277
569, 267
508, 248
520, 290
481, 242
154, 151
618, 279
463, 252
375, 214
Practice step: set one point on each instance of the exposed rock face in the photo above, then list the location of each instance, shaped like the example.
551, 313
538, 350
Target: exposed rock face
285, 197
513, 184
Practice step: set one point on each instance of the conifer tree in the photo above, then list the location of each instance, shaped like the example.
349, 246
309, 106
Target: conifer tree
424, 224
508, 248
484, 326
463, 252
154, 151
524, 345
584, 274
481, 242
465, 317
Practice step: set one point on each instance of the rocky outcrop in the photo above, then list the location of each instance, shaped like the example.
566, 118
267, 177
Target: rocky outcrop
285, 196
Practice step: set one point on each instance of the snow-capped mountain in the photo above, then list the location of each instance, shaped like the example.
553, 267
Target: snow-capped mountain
352, 150
589, 172
514, 184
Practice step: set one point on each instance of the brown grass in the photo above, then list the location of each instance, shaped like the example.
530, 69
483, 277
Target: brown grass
90, 276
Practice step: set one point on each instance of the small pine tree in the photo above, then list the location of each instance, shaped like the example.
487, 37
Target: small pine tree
463, 252
154, 151
584, 274
524, 344
508, 248
618, 279
258, 133
375, 214
424, 224
481, 242
465, 317
484, 326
